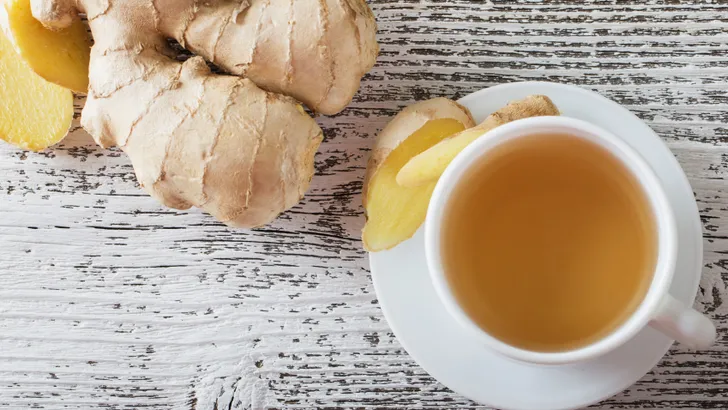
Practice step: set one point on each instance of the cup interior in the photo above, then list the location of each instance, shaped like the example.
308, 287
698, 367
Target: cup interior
650, 184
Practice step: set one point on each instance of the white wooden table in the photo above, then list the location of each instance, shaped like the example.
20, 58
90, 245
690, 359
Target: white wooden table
107, 300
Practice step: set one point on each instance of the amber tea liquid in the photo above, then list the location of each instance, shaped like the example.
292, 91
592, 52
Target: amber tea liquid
549, 243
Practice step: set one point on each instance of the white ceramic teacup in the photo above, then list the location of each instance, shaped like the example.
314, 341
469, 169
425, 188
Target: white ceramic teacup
658, 309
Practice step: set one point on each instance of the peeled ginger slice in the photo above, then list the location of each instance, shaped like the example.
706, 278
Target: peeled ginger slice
34, 113
426, 168
60, 56
394, 213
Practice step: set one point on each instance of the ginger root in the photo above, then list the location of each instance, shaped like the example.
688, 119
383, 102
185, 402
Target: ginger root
60, 56
426, 168
395, 213
220, 143
34, 113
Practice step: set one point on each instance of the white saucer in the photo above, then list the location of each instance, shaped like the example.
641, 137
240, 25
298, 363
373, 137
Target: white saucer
449, 354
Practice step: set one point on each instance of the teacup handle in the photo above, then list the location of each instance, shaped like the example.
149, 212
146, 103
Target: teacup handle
684, 324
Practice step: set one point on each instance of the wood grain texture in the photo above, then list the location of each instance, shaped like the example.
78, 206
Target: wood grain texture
110, 301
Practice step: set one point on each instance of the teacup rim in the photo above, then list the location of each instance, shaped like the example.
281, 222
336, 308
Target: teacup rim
650, 183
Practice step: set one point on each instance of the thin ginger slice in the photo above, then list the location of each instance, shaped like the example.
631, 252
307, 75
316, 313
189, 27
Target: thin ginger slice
395, 213
60, 56
34, 113
426, 168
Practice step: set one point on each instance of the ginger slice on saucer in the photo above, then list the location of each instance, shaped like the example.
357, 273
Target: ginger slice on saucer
426, 168
393, 212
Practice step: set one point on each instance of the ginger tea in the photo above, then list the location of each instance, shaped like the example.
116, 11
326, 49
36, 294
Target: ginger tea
549, 243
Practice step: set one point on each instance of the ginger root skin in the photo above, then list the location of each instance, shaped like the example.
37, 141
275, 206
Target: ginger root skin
214, 142
426, 168
61, 56
240, 152
34, 114
395, 213
315, 51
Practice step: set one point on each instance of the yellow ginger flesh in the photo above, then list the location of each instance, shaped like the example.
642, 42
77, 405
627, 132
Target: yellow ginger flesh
394, 213
60, 56
34, 113
426, 168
